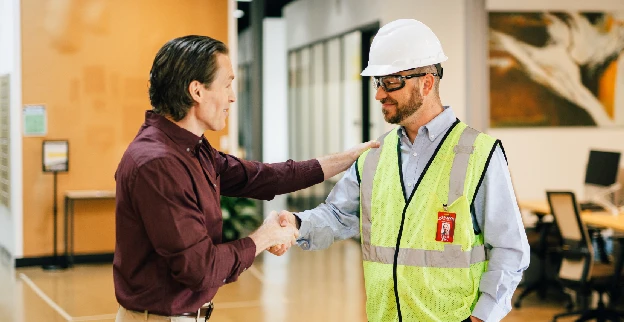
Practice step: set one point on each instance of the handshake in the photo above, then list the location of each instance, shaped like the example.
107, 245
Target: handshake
277, 234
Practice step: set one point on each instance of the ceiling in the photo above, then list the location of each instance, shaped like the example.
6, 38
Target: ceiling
272, 8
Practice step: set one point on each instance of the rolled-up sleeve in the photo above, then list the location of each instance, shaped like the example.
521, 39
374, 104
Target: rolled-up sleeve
176, 228
243, 178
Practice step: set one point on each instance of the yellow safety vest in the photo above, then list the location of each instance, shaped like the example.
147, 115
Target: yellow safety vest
426, 280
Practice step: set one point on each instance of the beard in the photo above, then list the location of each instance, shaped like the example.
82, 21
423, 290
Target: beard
402, 111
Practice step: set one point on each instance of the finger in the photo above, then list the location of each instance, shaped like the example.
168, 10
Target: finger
374, 144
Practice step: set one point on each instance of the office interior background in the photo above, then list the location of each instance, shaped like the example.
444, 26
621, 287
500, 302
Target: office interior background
300, 95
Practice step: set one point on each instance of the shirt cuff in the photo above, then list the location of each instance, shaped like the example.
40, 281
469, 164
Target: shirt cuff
488, 310
304, 231
313, 173
247, 253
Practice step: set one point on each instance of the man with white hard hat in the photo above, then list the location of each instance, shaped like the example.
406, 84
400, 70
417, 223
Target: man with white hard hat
436, 190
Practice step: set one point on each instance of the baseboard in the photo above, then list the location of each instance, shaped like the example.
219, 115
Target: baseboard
78, 259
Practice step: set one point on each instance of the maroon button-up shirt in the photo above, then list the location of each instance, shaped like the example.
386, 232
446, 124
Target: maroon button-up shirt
169, 254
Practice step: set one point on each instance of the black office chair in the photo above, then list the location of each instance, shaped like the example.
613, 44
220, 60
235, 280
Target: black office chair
578, 270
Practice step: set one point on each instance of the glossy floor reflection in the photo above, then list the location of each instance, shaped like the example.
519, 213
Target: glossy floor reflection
299, 286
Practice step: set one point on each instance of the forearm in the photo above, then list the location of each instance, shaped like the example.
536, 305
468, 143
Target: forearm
205, 265
323, 225
264, 181
336, 163
262, 240
497, 288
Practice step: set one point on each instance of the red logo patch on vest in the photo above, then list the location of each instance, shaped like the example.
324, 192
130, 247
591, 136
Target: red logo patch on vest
446, 227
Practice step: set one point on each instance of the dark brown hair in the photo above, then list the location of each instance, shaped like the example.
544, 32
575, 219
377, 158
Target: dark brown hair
179, 62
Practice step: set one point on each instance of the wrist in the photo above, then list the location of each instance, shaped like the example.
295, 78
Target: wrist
260, 241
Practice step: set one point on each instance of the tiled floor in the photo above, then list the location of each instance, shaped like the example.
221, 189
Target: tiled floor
300, 286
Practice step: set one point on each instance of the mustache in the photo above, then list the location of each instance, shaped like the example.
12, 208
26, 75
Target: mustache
387, 100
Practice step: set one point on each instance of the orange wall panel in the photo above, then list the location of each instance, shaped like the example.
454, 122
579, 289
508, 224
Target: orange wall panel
88, 61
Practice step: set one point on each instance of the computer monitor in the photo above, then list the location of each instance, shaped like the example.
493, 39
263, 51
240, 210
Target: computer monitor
601, 181
602, 168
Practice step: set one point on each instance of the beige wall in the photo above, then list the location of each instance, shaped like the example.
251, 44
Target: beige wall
88, 61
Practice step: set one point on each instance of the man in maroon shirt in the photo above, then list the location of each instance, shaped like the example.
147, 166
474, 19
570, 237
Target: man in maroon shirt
169, 256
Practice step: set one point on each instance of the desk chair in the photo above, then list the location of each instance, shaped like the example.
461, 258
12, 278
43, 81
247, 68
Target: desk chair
578, 270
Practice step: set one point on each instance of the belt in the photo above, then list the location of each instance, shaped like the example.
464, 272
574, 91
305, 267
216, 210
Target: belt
203, 312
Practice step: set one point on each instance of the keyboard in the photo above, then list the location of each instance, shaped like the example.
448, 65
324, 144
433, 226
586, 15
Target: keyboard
591, 206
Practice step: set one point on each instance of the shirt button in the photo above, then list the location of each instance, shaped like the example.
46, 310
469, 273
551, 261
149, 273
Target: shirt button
409, 184
432, 137
244, 269
200, 141
305, 244
415, 154
214, 185
224, 280
188, 149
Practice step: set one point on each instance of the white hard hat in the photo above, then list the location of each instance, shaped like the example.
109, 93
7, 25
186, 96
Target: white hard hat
401, 45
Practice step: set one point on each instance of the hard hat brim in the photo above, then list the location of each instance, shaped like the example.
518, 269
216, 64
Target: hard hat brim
379, 70
383, 70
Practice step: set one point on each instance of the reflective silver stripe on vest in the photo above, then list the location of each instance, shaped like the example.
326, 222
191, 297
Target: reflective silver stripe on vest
451, 257
366, 187
463, 150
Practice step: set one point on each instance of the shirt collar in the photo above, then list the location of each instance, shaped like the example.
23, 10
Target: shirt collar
435, 127
180, 136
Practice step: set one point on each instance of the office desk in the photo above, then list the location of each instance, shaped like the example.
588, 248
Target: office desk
594, 218
70, 197
599, 219
538, 207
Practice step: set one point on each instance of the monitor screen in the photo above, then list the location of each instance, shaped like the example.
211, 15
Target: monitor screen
602, 168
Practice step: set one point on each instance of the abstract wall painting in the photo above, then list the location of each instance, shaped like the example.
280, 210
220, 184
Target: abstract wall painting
552, 69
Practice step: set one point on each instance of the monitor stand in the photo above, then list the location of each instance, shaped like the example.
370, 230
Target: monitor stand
604, 196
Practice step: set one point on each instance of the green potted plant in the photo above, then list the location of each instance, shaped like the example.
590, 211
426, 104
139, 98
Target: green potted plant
240, 217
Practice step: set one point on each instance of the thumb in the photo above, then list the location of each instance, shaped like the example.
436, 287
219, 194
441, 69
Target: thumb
283, 220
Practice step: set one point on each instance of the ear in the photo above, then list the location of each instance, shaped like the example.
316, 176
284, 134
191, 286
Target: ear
429, 81
194, 89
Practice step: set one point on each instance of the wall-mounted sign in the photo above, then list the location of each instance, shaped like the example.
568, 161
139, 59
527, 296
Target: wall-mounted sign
35, 120
55, 156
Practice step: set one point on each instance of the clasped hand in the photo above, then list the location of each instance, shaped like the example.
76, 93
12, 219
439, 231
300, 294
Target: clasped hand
281, 235
285, 219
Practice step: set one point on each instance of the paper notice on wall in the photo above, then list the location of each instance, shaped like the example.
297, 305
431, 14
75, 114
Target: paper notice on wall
55, 155
35, 120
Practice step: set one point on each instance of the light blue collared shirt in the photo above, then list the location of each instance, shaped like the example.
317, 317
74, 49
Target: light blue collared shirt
496, 212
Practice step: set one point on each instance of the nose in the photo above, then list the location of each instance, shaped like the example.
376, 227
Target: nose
380, 94
232, 96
